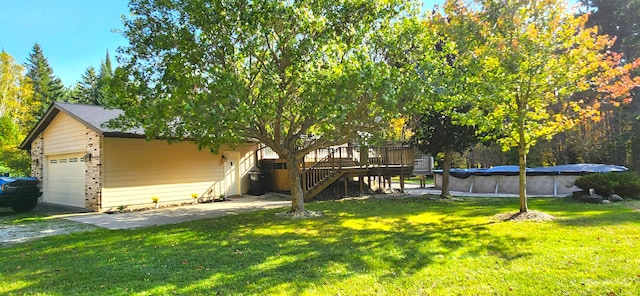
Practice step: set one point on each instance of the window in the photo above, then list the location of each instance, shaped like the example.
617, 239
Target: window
63, 160
53, 161
73, 159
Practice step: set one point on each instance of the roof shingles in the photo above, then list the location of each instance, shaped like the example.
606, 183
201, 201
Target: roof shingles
90, 115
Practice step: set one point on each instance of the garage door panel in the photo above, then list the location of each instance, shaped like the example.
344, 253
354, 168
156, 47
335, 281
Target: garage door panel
66, 180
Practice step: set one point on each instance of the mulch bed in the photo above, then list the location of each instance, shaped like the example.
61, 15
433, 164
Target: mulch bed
300, 215
526, 216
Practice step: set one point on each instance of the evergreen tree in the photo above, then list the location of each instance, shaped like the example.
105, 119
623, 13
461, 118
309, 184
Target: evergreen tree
436, 132
104, 78
47, 87
87, 90
617, 18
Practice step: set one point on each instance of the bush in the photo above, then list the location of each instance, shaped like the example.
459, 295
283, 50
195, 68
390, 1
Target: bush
625, 184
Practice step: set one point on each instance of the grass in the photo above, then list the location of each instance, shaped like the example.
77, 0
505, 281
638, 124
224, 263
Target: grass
360, 247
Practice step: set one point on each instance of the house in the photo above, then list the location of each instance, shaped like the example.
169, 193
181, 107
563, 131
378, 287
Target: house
84, 164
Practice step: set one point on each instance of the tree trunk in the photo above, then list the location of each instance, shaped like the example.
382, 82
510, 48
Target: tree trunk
295, 178
522, 161
446, 169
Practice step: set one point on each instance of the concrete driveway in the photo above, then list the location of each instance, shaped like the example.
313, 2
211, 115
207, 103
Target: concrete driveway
173, 215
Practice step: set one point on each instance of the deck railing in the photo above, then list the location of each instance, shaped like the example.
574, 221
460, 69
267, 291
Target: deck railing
323, 166
321, 170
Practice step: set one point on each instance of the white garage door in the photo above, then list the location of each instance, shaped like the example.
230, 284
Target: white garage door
65, 180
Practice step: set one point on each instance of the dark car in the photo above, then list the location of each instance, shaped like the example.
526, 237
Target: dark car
21, 194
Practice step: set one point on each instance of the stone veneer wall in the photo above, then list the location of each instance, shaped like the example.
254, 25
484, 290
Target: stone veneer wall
37, 157
93, 175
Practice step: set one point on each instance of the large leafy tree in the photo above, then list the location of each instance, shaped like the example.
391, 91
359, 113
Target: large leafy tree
224, 72
524, 60
47, 87
16, 114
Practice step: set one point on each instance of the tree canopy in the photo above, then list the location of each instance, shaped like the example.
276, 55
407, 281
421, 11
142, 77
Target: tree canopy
94, 88
16, 114
436, 132
273, 71
523, 61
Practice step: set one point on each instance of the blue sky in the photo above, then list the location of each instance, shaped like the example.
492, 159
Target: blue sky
74, 34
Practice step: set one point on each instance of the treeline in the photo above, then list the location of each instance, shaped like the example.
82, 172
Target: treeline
26, 91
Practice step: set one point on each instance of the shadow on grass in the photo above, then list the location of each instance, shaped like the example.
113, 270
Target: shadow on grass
258, 253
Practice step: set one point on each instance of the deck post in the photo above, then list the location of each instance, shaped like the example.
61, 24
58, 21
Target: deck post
346, 185
401, 171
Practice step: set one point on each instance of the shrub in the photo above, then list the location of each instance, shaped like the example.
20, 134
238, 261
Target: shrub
597, 182
625, 184
628, 185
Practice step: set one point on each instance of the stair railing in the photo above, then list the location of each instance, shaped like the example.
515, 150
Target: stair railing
321, 170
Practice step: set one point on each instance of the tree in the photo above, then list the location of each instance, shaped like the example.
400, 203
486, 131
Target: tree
272, 71
617, 18
105, 74
87, 90
47, 88
436, 132
621, 125
16, 114
526, 59
12, 159
94, 88
16, 93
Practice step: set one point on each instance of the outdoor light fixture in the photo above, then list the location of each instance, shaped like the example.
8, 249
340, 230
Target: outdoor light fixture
224, 158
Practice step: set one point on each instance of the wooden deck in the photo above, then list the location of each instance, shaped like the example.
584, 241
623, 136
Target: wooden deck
327, 166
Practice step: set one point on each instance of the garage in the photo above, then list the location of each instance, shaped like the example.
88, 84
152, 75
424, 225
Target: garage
65, 182
82, 163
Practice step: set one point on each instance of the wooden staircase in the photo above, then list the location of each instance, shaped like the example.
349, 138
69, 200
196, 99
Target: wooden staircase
321, 174
324, 166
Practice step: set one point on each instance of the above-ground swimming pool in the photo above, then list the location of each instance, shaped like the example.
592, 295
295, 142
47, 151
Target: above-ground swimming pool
553, 180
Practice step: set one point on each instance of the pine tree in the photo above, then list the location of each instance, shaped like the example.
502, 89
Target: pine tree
104, 78
87, 90
47, 87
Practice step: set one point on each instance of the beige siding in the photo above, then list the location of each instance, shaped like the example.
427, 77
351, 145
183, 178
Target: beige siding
135, 170
64, 135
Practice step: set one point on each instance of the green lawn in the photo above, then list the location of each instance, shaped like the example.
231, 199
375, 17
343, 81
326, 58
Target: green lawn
360, 247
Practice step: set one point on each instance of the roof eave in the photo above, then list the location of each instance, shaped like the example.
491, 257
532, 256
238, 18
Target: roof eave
51, 113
